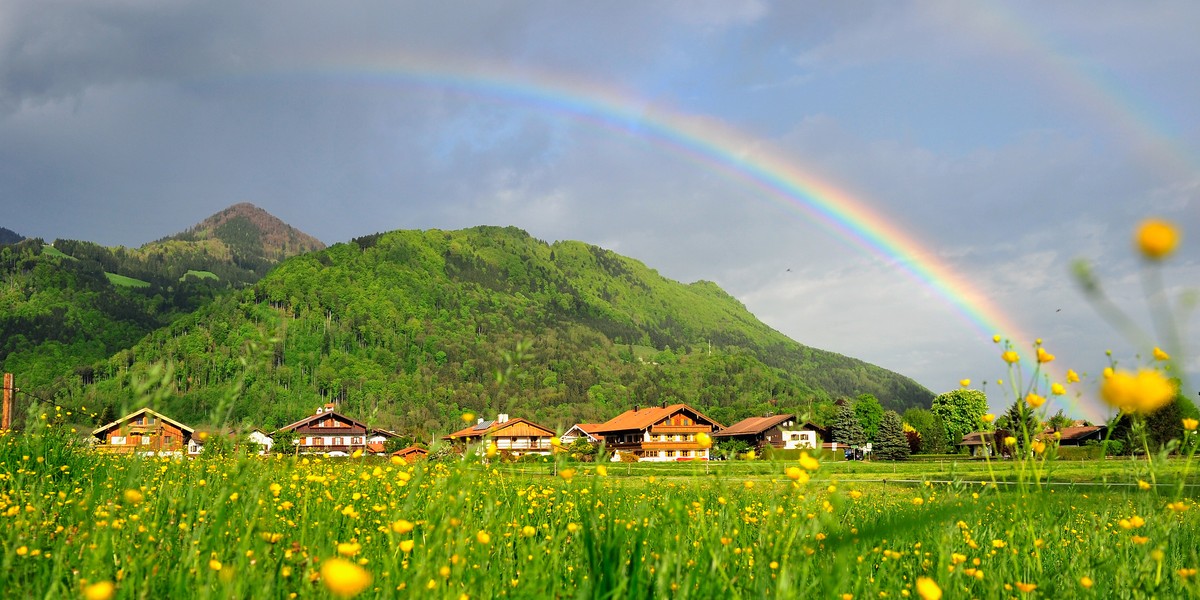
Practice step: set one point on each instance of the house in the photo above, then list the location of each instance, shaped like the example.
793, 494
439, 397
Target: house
377, 438
586, 431
146, 431
412, 453
776, 431
517, 436
660, 434
329, 432
1075, 435
261, 438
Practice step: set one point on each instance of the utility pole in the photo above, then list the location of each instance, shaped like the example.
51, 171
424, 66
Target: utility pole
6, 423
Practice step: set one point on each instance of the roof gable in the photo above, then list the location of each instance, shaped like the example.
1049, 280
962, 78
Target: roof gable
492, 428
756, 425
643, 418
321, 416
137, 413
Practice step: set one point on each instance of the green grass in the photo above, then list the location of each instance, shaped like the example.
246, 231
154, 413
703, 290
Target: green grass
263, 527
123, 281
200, 275
52, 251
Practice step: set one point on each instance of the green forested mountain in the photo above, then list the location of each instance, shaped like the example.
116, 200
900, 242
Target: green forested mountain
66, 306
8, 236
407, 329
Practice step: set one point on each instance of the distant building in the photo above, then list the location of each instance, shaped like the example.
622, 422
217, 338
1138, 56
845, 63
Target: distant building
146, 431
776, 431
516, 436
586, 431
659, 433
412, 453
329, 432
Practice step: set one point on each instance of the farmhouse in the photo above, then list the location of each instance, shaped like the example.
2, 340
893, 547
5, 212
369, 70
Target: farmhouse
1076, 435
377, 438
146, 431
776, 431
411, 453
586, 431
659, 434
517, 436
330, 432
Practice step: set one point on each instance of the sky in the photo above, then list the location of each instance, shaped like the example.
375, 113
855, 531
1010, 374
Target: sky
893, 181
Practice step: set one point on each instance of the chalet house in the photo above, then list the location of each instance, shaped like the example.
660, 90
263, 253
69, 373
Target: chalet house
1075, 435
261, 438
586, 431
411, 453
776, 431
377, 438
517, 436
329, 432
659, 434
146, 431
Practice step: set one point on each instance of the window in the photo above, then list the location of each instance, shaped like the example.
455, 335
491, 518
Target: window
118, 440
356, 441
337, 441
168, 439
145, 440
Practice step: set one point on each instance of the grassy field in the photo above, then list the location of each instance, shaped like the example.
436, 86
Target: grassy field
200, 275
77, 523
123, 281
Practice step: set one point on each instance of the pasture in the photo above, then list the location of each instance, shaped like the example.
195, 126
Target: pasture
81, 524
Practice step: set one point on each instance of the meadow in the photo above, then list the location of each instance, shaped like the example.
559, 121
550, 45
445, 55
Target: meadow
77, 523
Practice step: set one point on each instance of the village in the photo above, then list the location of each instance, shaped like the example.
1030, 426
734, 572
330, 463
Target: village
665, 433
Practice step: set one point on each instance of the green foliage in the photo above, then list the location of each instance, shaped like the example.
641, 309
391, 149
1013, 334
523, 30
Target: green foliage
1020, 421
961, 412
891, 444
730, 449
847, 429
1059, 420
930, 427
869, 413
284, 441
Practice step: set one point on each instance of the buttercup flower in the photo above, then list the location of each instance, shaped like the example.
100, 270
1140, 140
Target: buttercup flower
344, 578
809, 463
1034, 400
101, 590
964, 383
1160, 355
1043, 356
1190, 424
1156, 238
928, 589
1072, 376
988, 418
1057, 389
704, 440
1143, 392
1010, 356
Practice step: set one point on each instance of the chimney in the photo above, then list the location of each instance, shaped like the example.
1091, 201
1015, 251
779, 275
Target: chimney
635, 408
480, 421
502, 418
320, 410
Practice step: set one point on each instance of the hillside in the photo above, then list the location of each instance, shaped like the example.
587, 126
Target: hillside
66, 306
8, 236
408, 328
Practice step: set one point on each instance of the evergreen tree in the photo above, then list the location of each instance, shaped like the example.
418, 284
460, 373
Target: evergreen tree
847, 429
891, 443
930, 428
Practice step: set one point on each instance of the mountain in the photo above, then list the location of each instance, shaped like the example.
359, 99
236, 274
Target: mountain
8, 236
251, 235
70, 304
408, 329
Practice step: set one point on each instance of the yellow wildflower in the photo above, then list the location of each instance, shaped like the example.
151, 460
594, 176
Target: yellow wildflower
1190, 424
134, 496
348, 548
1072, 376
567, 474
797, 474
1025, 587
1086, 582
809, 463
964, 383
1038, 447
214, 564
467, 417
1058, 389
704, 440
1143, 392
1034, 400
101, 590
491, 449
996, 338
1157, 238
1010, 356
928, 589
1143, 484
1159, 354
988, 418
529, 531
483, 537
344, 578
1043, 356
1010, 441
406, 546
601, 471
402, 526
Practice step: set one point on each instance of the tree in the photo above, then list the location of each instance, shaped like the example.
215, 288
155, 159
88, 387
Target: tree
961, 412
730, 448
1019, 421
914, 439
847, 429
283, 442
1059, 420
869, 413
891, 443
929, 427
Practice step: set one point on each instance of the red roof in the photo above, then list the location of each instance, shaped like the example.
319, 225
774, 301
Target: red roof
325, 414
485, 428
754, 425
643, 418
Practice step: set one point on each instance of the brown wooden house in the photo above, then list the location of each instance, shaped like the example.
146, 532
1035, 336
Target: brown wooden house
412, 453
329, 432
146, 431
776, 431
517, 436
660, 433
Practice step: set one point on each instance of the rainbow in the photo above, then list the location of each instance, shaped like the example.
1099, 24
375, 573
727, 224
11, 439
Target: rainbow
734, 154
